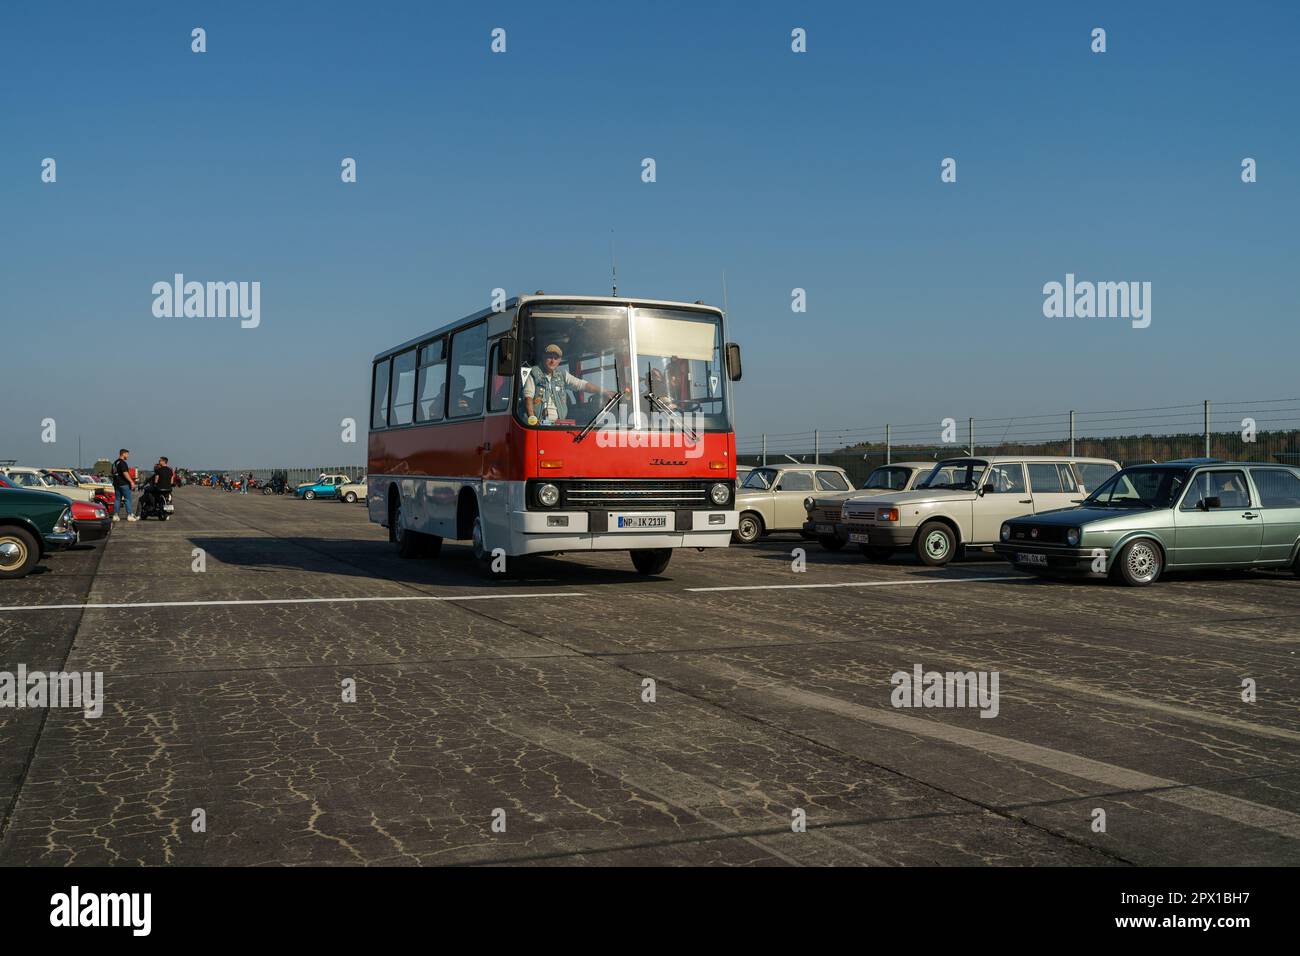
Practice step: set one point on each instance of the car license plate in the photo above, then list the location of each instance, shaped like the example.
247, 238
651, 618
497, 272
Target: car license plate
639, 522
169, 507
1023, 558
825, 529
858, 537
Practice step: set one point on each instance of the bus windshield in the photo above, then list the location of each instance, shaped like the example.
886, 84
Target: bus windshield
666, 364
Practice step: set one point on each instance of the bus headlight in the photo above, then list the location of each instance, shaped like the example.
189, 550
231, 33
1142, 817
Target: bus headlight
548, 495
1005, 533
1072, 537
719, 493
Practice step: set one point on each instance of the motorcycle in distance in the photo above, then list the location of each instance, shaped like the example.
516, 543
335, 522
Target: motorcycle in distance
277, 485
155, 503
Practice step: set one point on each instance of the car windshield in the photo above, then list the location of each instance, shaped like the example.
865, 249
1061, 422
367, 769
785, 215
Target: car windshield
962, 474
574, 358
760, 479
1139, 488
892, 479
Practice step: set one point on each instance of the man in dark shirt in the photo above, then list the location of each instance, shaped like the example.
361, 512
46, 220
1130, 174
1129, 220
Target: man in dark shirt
123, 483
163, 476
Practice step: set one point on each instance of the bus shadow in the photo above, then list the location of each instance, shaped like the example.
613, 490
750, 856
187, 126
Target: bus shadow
378, 560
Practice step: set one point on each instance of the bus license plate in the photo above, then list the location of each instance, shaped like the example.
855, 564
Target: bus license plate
1031, 558
639, 522
858, 537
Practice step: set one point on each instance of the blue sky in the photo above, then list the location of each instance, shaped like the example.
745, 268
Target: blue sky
475, 170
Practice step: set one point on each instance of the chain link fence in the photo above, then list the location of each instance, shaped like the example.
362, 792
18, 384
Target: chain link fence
1267, 430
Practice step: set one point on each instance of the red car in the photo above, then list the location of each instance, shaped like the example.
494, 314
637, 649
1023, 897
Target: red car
92, 521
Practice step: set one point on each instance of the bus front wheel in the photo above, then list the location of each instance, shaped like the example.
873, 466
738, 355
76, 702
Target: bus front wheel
651, 560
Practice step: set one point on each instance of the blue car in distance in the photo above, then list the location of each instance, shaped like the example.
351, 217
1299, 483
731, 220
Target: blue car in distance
326, 486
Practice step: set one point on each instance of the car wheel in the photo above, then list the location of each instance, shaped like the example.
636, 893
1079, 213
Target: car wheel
935, 544
1139, 563
651, 560
309, 495
876, 554
18, 552
350, 497
747, 530
830, 542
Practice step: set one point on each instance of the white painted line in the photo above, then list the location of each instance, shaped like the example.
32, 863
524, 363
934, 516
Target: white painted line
338, 600
860, 584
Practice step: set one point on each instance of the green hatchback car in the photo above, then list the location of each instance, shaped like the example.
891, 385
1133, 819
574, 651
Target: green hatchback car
1191, 514
32, 524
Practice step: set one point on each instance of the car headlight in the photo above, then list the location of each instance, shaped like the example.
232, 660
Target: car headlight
808, 505
887, 514
1072, 537
64, 522
548, 495
1005, 533
719, 493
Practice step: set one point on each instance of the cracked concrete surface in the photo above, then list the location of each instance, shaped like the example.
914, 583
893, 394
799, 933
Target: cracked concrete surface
766, 702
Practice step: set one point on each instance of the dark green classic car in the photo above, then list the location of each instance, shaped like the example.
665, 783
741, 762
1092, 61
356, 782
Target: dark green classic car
1191, 514
32, 524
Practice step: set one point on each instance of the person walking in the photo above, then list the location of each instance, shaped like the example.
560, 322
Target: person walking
123, 483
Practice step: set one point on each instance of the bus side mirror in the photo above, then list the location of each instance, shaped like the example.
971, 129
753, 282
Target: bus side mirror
733, 361
505, 357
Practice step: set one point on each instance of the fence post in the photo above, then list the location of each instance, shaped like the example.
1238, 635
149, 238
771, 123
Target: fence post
1071, 433
888, 446
1207, 428
817, 447
765, 449
970, 426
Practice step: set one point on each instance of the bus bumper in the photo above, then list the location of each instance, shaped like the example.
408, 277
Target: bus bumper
537, 532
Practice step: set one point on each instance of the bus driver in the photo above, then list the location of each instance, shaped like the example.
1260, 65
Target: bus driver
547, 388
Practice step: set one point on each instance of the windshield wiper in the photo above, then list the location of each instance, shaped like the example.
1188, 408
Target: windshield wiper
614, 400
660, 404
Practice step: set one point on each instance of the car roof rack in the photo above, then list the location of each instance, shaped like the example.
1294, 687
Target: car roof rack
1194, 461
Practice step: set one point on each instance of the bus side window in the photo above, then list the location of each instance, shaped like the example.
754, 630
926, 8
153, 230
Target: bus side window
403, 400
379, 396
431, 384
468, 372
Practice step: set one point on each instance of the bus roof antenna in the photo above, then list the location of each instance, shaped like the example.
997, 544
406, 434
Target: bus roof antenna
613, 263
724, 291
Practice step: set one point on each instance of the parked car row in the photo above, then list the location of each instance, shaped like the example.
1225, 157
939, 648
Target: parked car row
37, 520
1048, 515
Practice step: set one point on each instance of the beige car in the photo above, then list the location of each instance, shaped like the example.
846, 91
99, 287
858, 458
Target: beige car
32, 478
961, 504
771, 498
825, 520
351, 492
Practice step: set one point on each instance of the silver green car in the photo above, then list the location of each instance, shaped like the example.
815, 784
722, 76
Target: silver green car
1185, 515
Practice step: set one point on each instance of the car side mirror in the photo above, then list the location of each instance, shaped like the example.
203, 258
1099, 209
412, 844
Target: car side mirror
981, 490
505, 357
1212, 502
733, 361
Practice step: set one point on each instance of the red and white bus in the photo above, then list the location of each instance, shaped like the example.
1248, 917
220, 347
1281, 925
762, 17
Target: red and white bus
558, 423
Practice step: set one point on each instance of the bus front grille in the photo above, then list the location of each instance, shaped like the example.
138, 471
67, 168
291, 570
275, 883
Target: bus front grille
673, 494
